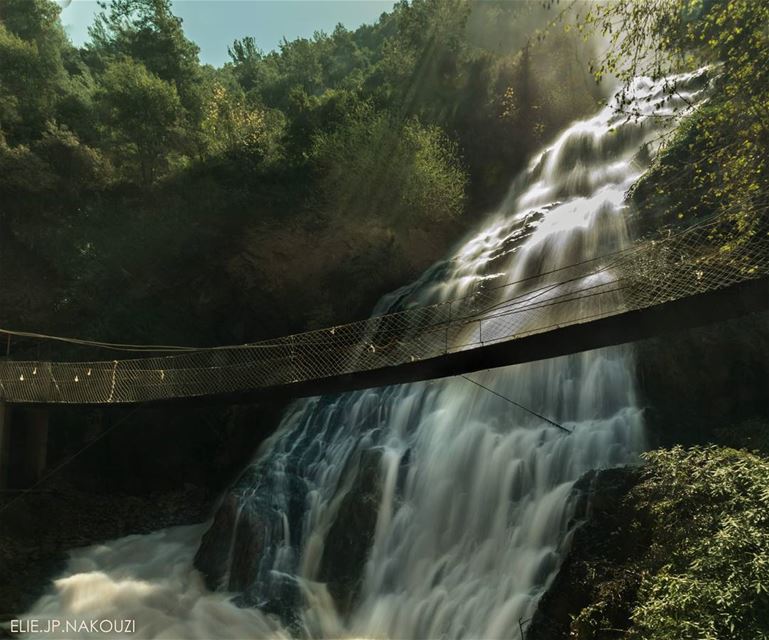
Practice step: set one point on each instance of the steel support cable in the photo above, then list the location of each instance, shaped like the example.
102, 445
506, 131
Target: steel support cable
167, 348
556, 301
638, 246
536, 293
620, 254
61, 465
566, 298
644, 243
518, 404
570, 296
562, 301
220, 369
94, 343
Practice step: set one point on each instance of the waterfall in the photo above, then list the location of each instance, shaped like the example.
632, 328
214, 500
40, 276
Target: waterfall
435, 509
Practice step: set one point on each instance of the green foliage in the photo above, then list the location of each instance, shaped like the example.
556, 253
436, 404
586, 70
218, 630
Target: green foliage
435, 189
684, 553
726, 143
710, 509
21, 170
141, 113
31, 68
124, 161
148, 32
373, 167
17, 61
433, 60
230, 126
76, 166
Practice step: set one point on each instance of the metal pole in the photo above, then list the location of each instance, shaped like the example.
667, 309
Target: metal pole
293, 373
5, 442
37, 444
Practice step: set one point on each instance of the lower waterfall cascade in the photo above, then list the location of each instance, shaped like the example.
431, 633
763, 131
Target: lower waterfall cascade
460, 503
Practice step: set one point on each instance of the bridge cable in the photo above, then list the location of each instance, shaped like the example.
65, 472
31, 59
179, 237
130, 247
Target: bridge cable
519, 405
525, 297
95, 343
636, 246
24, 492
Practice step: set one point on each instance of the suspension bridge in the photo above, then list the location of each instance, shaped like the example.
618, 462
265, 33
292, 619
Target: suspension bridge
678, 279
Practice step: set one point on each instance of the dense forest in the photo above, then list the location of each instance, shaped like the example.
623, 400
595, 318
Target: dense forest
161, 199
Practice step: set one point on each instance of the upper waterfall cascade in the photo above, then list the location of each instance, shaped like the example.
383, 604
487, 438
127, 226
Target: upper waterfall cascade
473, 496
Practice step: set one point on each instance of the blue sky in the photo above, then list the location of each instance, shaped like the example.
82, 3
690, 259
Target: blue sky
214, 24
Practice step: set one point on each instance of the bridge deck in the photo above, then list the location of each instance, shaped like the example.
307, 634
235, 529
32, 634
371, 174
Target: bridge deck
683, 280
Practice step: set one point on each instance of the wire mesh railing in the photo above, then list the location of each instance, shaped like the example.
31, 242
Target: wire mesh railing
702, 258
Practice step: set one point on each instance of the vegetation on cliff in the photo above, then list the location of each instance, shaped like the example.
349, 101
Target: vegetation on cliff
695, 532
717, 160
677, 548
710, 540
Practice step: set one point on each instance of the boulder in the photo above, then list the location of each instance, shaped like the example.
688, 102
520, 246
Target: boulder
351, 535
607, 539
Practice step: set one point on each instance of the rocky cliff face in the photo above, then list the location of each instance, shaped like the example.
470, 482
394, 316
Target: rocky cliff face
597, 574
692, 383
238, 551
696, 382
352, 533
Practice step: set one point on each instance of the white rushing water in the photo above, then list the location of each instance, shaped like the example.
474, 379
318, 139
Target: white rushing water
474, 493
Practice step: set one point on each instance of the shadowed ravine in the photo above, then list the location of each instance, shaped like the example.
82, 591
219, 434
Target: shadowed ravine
427, 510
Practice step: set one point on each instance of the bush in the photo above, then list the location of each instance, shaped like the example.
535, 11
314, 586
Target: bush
710, 508
374, 167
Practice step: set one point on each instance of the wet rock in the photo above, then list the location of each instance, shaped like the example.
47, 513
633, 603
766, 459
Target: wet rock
351, 536
608, 538
212, 556
257, 536
237, 551
251, 548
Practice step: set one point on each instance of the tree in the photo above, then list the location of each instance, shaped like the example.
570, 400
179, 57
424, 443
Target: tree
148, 32
401, 174
17, 60
230, 126
32, 74
726, 142
140, 113
247, 61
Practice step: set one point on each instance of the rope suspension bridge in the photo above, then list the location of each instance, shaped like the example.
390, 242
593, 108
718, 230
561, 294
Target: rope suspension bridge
678, 279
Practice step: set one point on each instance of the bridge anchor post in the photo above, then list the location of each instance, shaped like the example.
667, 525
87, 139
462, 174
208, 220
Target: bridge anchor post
23, 446
36, 450
5, 443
